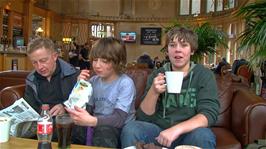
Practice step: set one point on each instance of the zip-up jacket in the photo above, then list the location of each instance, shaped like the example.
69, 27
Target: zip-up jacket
198, 95
68, 78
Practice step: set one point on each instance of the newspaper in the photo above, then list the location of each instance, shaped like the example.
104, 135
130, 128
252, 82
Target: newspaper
19, 112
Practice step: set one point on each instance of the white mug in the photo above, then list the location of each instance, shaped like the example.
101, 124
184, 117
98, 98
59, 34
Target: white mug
4, 128
174, 81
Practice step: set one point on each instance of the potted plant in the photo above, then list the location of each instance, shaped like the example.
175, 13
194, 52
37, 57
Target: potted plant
254, 38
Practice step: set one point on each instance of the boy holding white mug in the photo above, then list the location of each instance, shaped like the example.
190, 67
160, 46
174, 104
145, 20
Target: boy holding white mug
183, 117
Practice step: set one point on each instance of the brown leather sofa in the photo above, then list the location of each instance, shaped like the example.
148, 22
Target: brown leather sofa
9, 78
241, 119
242, 114
10, 94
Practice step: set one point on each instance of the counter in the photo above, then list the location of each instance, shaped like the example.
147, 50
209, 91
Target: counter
14, 59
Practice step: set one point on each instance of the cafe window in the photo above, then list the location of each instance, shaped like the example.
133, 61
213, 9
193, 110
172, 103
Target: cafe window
219, 5
184, 7
210, 6
231, 3
100, 30
195, 7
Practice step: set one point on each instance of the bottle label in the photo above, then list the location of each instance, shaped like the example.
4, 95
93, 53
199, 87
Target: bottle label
44, 128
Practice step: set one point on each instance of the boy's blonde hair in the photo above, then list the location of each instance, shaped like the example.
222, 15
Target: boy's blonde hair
111, 49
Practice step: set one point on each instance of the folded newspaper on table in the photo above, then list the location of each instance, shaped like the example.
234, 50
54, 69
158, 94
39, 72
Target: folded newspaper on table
19, 112
80, 95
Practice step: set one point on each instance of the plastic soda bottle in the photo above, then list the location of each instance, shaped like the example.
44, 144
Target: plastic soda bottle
45, 128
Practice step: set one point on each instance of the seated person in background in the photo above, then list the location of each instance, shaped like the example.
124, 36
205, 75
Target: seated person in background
52, 80
112, 101
165, 60
237, 64
84, 53
222, 63
73, 55
169, 119
157, 65
157, 62
234, 66
146, 59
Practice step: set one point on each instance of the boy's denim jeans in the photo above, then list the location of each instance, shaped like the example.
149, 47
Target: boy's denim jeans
140, 131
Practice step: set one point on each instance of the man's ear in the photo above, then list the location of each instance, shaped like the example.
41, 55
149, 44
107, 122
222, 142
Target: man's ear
55, 55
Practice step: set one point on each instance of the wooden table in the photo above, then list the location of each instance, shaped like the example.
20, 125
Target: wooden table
22, 143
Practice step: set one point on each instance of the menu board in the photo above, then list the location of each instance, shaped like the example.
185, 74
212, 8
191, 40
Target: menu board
151, 36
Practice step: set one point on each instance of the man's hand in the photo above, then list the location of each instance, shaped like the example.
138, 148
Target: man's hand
57, 109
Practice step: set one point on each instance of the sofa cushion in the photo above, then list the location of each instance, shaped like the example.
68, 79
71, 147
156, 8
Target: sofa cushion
139, 76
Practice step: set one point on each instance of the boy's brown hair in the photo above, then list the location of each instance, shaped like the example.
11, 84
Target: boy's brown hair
111, 49
184, 34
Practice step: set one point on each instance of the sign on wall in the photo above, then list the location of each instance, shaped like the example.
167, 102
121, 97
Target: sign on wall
151, 36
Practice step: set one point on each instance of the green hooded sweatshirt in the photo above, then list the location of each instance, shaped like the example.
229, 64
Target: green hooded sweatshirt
198, 95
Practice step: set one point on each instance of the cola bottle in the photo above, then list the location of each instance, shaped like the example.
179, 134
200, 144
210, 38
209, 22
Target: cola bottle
45, 128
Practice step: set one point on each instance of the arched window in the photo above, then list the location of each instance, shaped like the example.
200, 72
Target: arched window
100, 30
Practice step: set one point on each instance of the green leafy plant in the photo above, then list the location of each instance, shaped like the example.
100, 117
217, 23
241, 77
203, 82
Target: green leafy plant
209, 38
254, 35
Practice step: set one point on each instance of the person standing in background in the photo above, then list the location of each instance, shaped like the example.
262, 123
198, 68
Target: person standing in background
73, 55
84, 53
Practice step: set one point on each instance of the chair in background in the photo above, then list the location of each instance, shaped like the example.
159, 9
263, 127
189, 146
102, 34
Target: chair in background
245, 72
10, 78
226, 69
10, 94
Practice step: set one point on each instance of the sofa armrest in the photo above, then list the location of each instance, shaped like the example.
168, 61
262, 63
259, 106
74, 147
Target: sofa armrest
248, 116
10, 94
